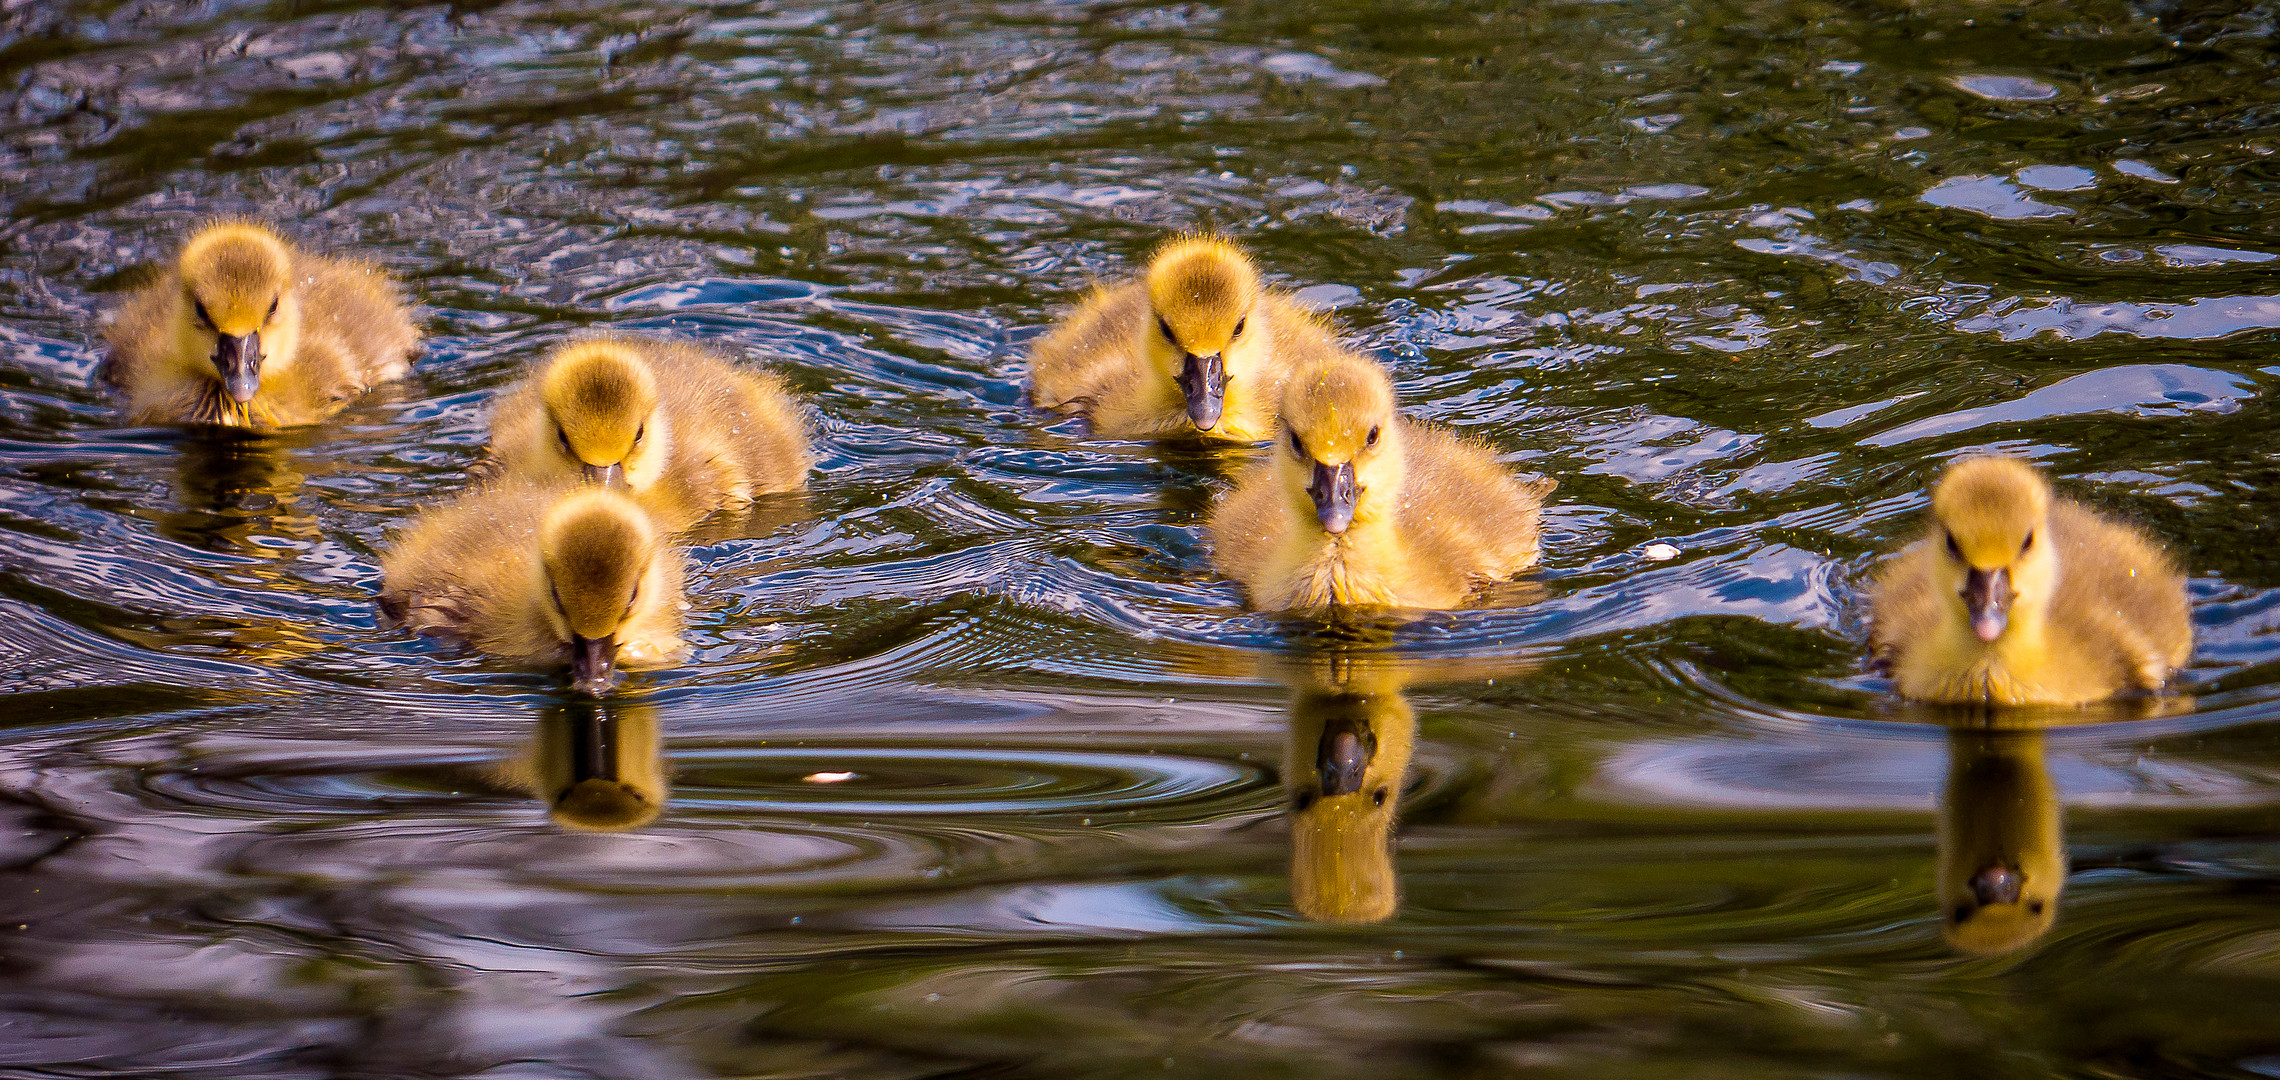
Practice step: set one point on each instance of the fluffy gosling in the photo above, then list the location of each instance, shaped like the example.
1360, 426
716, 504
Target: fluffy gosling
1197, 345
2018, 597
1360, 507
543, 576
687, 432
245, 331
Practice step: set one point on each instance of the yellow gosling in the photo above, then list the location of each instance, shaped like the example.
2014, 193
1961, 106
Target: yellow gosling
2017, 597
245, 331
2002, 856
1198, 344
681, 427
541, 575
1351, 734
1359, 507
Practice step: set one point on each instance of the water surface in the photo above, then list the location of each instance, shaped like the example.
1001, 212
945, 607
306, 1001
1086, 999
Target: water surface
979, 770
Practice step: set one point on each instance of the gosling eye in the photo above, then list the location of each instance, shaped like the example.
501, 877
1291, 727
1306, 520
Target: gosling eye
639, 432
1953, 548
2034, 907
1377, 798
2027, 543
204, 319
562, 438
1304, 800
1167, 330
272, 308
1374, 429
557, 595
1296, 446
1238, 331
632, 599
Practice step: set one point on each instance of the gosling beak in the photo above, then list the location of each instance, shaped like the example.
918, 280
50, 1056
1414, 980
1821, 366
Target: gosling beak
1342, 757
1998, 884
1334, 492
610, 475
1987, 597
238, 358
590, 660
1204, 380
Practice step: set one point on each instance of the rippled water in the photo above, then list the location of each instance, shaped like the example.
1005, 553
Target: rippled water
979, 770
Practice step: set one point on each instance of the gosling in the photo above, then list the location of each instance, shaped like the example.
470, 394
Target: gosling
543, 576
1360, 507
2017, 597
679, 426
245, 331
1197, 345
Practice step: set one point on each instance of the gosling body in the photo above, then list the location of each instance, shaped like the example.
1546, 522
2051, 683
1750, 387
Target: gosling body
2018, 597
246, 331
1198, 345
542, 575
686, 431
1360, 507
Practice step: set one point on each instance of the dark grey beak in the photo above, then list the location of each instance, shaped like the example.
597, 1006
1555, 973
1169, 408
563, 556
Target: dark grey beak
1987, 597
590, 660
1342, 757
239, 361
611, 475
1334, 492
1204, 380
1998, 884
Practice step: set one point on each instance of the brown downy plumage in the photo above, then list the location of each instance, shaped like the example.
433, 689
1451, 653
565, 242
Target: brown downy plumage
1197, 345
245, 331
686, 431
540, 574
1360, 507
2017, 597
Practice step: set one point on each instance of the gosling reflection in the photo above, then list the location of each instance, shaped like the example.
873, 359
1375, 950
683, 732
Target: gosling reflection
2002, 861
230, 489
597, 767
1351, 734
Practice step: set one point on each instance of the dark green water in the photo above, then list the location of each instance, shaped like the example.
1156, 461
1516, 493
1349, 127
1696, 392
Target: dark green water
1741, 276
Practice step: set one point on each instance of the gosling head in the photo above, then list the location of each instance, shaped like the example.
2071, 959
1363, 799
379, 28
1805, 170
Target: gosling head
1203, 292
1990, 516
237, 290
600, 557
1341, 446
601, 400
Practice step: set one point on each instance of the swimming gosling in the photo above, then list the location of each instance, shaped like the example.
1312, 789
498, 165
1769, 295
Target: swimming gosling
687, 432
1197, 345
2018, 597
541, 575
246, 331
1358, 506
